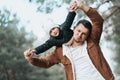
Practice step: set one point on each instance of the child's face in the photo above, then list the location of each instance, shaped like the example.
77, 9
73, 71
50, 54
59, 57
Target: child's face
54, 32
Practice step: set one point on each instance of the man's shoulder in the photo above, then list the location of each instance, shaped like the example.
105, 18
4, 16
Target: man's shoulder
58, 49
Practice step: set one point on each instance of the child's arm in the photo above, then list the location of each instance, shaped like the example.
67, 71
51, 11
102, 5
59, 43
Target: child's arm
69, 20
50, 43
45, 46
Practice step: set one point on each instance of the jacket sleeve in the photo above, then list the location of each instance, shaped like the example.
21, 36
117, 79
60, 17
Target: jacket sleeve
97, 24
58, 42
45, 62
48, 44
45, 46
69, 20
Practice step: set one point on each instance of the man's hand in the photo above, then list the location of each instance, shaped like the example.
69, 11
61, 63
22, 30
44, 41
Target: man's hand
28, 54
73, 6
78, 5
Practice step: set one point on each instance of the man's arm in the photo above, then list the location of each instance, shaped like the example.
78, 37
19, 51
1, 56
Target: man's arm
97, 22
41, 62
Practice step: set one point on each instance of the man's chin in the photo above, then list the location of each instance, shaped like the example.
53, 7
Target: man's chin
77, 41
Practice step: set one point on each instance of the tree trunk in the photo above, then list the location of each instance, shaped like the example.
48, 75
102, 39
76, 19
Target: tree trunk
6, 72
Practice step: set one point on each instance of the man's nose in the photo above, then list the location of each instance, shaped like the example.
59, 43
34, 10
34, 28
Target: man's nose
79, 34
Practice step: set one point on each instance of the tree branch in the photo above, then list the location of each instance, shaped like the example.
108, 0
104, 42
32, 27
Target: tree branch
107, 1
112, 12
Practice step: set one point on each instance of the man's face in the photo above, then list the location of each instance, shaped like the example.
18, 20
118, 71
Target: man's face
80, 33
54, 32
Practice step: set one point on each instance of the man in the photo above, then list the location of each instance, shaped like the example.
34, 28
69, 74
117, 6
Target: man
82, 57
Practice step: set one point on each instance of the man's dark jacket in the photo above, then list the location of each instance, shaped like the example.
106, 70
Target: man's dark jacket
64, 35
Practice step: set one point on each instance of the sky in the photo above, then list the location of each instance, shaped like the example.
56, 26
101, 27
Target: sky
33, 21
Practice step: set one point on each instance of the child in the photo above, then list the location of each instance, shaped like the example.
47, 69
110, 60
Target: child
59, 34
